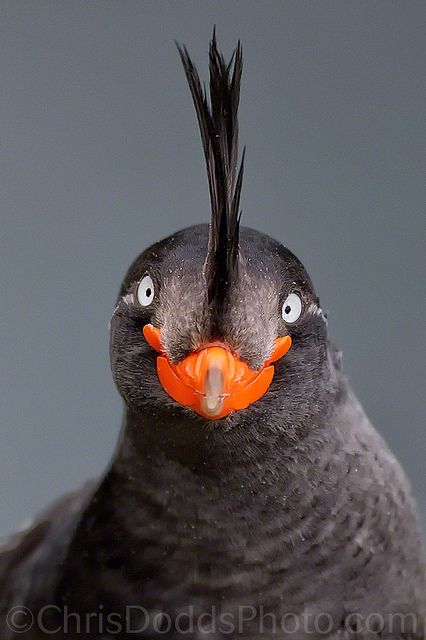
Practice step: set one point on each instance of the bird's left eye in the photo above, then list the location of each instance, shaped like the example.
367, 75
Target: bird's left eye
145, 292
292, 308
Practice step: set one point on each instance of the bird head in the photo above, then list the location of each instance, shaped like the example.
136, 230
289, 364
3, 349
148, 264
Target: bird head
218, 320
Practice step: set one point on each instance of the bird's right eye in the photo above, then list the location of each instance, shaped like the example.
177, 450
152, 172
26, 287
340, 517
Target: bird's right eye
145, 291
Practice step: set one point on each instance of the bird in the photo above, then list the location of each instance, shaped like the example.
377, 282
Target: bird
249, 496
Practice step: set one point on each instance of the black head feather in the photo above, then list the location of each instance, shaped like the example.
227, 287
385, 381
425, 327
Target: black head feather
218, 124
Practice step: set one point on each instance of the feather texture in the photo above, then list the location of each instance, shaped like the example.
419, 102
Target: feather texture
218, 122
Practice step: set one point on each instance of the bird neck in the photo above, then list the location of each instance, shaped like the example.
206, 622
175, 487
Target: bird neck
158, 440
157, 454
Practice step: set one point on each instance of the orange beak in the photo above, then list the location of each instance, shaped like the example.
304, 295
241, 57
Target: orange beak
213, 381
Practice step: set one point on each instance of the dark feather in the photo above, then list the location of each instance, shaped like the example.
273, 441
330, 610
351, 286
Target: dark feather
218, 124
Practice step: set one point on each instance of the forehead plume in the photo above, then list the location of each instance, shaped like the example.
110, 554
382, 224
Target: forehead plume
217, 119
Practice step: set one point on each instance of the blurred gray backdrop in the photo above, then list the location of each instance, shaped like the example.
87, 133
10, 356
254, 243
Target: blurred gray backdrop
100, 156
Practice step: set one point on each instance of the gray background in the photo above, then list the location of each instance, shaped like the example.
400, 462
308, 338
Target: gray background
100, 156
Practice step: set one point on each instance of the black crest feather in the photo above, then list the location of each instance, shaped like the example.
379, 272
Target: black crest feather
218, 124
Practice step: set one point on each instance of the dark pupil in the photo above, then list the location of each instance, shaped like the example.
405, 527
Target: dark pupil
148, 292
287, 309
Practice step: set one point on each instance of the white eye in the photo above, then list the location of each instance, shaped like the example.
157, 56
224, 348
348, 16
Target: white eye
145, 292
292, 308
